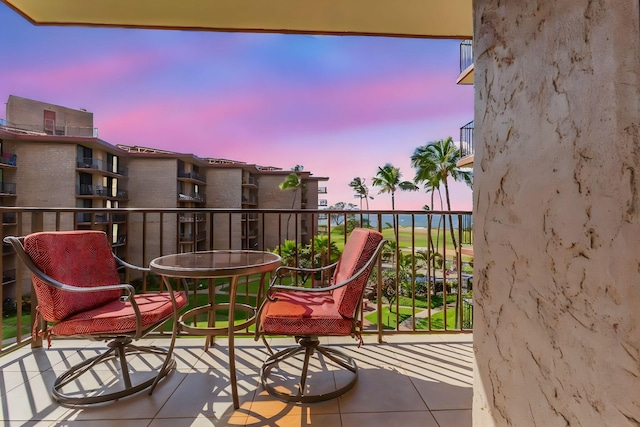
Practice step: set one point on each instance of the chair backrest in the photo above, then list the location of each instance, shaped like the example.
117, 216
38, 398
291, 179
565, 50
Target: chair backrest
77, 258
360, 248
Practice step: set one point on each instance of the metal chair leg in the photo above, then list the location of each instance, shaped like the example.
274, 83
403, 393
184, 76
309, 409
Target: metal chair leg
310, 346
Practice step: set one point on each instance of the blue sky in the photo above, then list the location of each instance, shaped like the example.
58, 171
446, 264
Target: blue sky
339, 105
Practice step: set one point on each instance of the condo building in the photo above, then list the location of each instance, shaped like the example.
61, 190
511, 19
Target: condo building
51, 156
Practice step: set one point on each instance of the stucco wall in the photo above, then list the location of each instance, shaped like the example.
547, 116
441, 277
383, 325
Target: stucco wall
557, 221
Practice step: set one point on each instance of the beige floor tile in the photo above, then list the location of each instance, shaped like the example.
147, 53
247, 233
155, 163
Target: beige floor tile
390, 419
200, 421
12, 379
303, 419
207, 393
140, 405
265, 406
439, 395
381, 389
31, 401
458, 418
102, 423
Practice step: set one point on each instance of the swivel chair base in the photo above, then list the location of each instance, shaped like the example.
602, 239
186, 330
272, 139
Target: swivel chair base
119, 349
308, 346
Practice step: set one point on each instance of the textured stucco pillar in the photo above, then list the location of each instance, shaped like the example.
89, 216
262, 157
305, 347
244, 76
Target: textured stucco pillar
557, 213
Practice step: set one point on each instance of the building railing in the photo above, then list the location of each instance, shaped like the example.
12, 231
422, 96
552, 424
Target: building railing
7, 188
190, 175
101, 191
101, 165
466, 140
422, 284
9, 159
50, 129
191, 197
252, 181
466, 54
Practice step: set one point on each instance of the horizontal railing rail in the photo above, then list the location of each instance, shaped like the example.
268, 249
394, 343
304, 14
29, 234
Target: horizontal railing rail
423, 282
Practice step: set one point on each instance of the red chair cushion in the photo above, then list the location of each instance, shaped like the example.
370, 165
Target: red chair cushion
118, 316
303, 313
360, 247
78, 258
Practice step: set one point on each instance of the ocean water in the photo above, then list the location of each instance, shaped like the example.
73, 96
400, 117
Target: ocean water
404, 220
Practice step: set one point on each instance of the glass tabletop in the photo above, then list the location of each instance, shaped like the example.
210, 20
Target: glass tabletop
218, 263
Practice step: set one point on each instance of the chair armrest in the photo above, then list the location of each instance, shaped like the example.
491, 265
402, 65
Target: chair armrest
130, 266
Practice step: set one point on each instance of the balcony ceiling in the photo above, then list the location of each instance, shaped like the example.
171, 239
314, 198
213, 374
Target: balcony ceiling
408, 18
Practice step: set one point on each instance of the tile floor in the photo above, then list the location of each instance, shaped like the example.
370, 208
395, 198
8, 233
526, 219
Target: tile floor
423, 381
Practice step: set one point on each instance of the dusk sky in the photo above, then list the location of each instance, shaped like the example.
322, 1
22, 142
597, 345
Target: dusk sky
339, 105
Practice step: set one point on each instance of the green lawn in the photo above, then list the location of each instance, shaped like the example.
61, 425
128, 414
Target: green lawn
437, 320
9, 326
389, 318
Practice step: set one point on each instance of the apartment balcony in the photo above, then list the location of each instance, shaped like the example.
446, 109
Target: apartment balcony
249, 201
405, 381
191, 197
8, 160
466, 63
192, 218
49, 128
414, 369
107, 168
466, 145
9, 218
252, 182
100, 192
322, 190
7, 189
191, 176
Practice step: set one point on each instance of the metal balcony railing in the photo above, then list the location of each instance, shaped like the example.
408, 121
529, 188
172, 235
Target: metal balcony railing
7, 188
466, 54
191, 197
50, 128
466, 140
190, 175
413, 289
9, 159
101, 165
99, 190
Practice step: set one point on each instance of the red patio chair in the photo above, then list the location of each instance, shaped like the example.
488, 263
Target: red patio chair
79, 292
309, 313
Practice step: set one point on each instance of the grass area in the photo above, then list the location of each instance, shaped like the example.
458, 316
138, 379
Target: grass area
437, 320
405, 242
390, 319
9, 325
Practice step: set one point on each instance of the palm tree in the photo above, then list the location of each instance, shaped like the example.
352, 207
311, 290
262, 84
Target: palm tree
362, 191
291, 182
388, 179
434, 163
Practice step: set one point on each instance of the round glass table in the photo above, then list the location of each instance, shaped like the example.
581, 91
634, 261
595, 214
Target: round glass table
231, 264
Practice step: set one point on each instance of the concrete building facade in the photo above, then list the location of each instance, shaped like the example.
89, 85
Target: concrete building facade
42, 169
